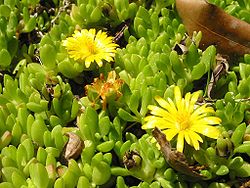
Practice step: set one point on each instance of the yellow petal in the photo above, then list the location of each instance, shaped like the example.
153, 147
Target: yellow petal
152, 121
170, 133
100, 34
202, 110
194, 139
195, 118
187, 100
99, 63
155, 110
65, 42
108, 58
207, 130
195, 144
76, 33
177, 93
92, 32
187, 138
87, 64
181, 105
180, 142
212, 120
166, 105
194, 135
193, 100
171, 103
177, 96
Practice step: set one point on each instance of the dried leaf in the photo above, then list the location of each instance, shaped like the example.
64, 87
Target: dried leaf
220, 69
175, 159
120, 33
131, 159
73, 148
246, 184
229, 34
180, 49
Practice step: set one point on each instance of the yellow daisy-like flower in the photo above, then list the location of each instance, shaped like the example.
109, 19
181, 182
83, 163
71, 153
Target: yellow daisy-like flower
183, 118
89, 46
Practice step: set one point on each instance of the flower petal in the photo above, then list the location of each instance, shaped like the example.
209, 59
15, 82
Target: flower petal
202, 110
170, 133
194, 135
177, 93
180, 142
212, 120
171, 103
152, 121
177, 97
195, 144
187, 138
207, 130
164, 104
155, 110
87, 64
194, 139
187, 100
193, 100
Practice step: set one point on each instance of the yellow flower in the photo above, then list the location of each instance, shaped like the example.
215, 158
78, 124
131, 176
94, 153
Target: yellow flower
89, 46
183, 118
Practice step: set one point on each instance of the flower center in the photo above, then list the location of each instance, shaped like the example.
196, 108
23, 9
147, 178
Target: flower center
91, 47
183, 121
